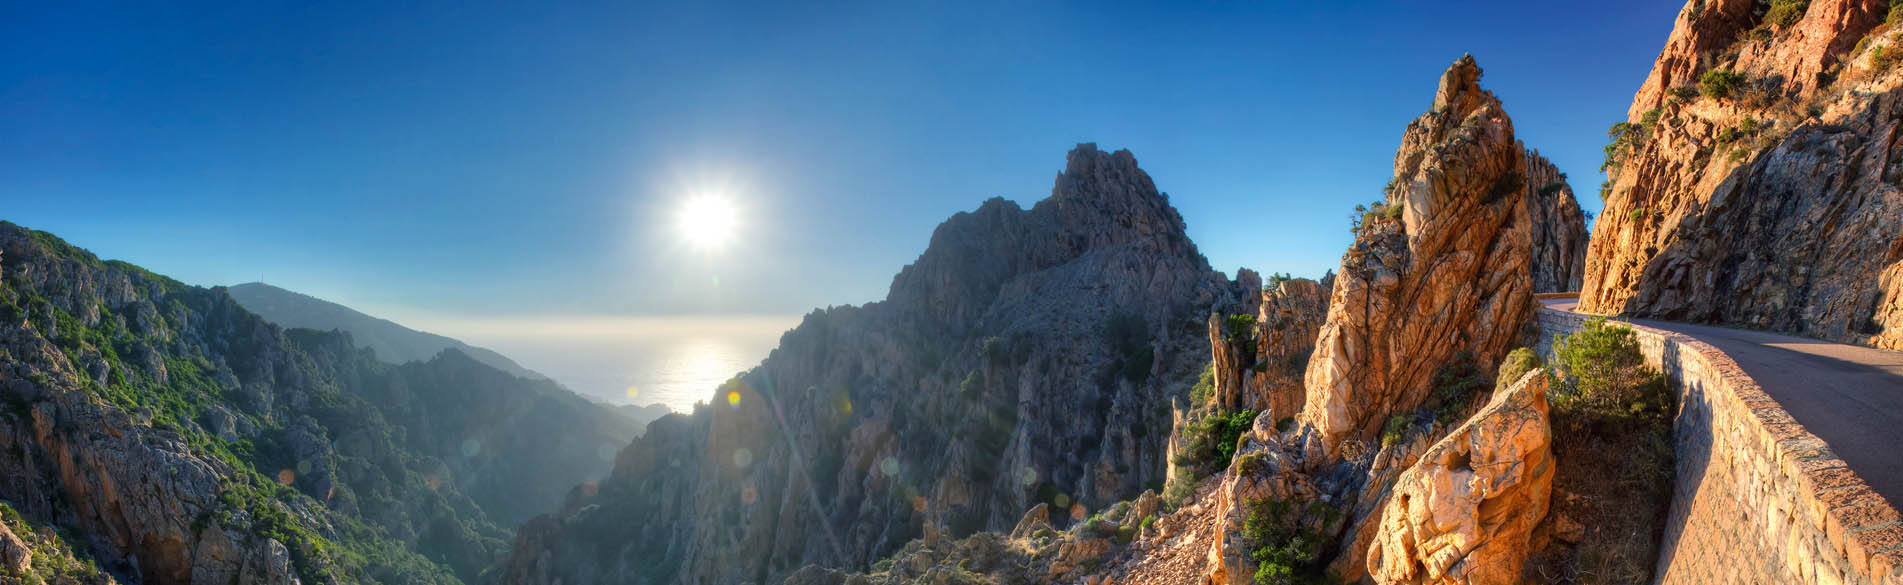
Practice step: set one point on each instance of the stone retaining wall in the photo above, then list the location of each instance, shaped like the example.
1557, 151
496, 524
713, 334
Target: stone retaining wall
1757, 499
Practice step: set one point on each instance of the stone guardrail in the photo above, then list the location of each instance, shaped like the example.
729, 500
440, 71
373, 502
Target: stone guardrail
1757, 497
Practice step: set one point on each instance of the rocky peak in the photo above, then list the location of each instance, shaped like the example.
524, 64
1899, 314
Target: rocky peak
1028, 356
1451, 275
1101, 201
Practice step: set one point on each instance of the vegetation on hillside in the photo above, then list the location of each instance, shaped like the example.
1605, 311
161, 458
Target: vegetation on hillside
1285, 539
400, 525
59, 557
1209, 443
1612, 427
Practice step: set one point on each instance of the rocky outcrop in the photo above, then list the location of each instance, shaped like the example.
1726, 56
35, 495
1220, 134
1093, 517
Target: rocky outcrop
1556, 228
1465, 513
1770, 199
1448, 273
1260, 366
1027, 357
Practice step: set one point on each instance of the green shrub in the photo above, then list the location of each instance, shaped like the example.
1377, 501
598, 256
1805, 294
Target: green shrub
1148, 521
1549, 189
1622, 137
1211, 442
1238, 327
1275, 280
1250, 462
1885, 57
1279, 535
1396, 429
1896, 13
1394, 211
1517, 363
1181, 488
1685, 92
1601, 370
1205, 388
1638, 214
1719, 83
1784, 13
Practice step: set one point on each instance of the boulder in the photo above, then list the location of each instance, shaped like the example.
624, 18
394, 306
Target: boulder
1465, 513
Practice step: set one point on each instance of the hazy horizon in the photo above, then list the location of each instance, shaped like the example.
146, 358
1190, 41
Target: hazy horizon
670, 360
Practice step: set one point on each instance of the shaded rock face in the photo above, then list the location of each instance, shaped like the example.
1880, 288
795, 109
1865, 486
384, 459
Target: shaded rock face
183, 435
1262, 369
1028, 356
1450, 275
1775, 206
1556, 228
1464, 514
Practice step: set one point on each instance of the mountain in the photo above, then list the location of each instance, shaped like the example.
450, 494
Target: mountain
1756, 178
183, 439
393, 343
1028, 356
1395, 465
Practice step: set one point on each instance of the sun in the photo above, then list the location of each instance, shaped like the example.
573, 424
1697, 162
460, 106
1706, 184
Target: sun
707, 221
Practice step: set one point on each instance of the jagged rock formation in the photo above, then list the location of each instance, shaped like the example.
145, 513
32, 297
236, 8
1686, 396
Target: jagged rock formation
1556, 228
1261, 368
191, 441
1760, 150
1465, 513
1028, 356
1451, 274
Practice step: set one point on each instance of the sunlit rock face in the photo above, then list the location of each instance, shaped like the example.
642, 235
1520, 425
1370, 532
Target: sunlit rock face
1464, 514
1449, 274
1774, 204
1261, 369
1028, 356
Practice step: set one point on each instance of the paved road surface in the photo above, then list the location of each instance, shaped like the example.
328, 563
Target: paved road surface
1849, 396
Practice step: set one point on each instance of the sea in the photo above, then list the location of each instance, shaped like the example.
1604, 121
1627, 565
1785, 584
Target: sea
675, 361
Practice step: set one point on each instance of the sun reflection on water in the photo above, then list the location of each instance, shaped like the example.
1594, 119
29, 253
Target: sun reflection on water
691, 370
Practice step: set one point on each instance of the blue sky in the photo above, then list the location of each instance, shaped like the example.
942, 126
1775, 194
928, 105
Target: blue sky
451, 159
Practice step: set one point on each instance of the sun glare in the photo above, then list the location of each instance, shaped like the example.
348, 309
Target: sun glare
707, 221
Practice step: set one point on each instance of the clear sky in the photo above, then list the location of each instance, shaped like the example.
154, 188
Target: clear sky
444, 159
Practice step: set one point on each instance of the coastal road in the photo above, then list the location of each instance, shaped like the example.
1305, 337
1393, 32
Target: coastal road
1849, 396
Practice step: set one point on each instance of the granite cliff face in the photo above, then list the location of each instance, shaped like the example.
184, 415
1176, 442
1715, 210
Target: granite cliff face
1447, 274
187, 440
1259, 365
1027, 357
1556, 228
1759, 149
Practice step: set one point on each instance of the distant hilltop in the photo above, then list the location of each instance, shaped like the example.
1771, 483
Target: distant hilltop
393, 343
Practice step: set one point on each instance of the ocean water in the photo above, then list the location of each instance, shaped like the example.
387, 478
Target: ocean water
675, 361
